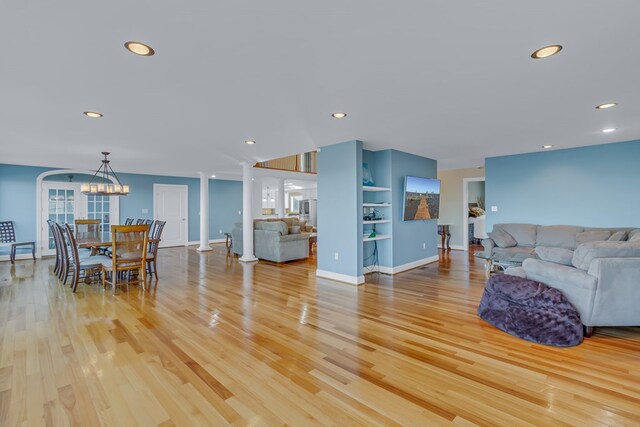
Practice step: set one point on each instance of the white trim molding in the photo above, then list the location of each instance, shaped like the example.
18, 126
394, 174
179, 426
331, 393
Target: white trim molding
197, 242
409, 265
455, 247
345, 278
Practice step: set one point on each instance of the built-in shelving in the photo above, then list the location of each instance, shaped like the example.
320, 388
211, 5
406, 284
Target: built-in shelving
366, 238
369, 188
378, 221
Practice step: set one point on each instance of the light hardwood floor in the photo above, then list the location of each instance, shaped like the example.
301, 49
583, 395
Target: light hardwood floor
216, 343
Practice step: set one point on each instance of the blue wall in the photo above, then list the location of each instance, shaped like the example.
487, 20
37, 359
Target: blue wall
594, 186
18, 200
339, 213
409, 236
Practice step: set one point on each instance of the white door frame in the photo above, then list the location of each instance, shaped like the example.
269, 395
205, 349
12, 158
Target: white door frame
39, 214
185, 223
465, 209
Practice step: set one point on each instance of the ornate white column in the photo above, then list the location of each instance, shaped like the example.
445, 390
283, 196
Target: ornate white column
247, 216
204, 213
280, 200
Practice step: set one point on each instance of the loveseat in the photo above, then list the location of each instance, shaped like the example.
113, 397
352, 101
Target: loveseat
597, 270
274, 241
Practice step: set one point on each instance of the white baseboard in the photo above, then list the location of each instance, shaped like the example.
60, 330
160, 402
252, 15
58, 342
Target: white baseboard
345, 278
409, 265
19, 257
454, 247
197, 242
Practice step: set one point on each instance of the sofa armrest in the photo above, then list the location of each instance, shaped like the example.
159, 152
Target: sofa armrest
618, 293
578, 286
295, 237
488, 245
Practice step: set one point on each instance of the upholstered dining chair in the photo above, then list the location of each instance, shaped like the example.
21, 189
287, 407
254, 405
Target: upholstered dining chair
128, 254
8, 235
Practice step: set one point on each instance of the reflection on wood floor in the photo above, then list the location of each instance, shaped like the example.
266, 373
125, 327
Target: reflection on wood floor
215, 342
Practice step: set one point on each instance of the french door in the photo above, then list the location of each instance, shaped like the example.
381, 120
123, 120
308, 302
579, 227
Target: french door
63, 203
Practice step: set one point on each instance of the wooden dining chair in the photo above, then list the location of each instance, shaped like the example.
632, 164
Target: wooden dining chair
128, 254
152, 255
140, 221
87, 229
56, 268
85, 264
128, 221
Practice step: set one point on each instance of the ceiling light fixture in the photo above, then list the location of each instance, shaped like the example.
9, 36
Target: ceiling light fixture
607, 105
547, 51
607, 130
106, 187
139, 48
339, 115
92, 114
547, 146
250, 142
213, 176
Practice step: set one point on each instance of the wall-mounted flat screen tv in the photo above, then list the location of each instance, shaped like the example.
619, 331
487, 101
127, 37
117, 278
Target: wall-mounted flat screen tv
421, 198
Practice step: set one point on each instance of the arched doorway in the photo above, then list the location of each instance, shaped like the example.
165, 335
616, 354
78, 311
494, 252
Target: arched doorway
58, 198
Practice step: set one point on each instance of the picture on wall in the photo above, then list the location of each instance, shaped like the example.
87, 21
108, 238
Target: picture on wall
367, 179
421, 198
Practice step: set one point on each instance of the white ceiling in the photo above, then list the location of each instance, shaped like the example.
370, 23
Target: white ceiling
451, 80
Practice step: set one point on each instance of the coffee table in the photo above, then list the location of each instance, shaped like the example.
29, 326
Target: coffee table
498, 264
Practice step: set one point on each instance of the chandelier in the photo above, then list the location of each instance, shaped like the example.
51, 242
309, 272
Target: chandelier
106, 187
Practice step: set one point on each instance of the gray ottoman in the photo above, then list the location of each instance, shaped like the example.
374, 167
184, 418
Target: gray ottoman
530, 310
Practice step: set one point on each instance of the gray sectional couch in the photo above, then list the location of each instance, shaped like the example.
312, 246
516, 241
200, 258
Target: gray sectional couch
598, 270
273, 241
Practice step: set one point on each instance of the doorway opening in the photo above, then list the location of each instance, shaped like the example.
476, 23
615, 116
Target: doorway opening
474, 216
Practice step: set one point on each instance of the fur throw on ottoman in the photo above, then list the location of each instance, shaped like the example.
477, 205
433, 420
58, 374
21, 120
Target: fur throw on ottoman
530, 310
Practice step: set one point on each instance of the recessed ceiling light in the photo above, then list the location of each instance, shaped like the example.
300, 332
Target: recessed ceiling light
607, 130
92, 114
547, 51
213, 176
547, 146
139, 48
250, 142
339, 115
607, 105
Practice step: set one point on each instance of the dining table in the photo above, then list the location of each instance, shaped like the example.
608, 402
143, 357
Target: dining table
96, 242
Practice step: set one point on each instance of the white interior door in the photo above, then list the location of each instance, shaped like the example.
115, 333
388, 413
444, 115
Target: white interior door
170, 205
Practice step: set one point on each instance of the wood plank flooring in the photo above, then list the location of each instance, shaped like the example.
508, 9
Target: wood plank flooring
214, 342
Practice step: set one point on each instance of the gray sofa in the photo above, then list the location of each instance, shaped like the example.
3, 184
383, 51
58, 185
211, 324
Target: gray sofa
273, 242
598, 270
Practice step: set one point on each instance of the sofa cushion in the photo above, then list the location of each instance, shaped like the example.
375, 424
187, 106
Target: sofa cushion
524, 234
633, 233
557, 236
294, 229
587, 252
502, 238
592, 236
618, 236
635, 238
558, 255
